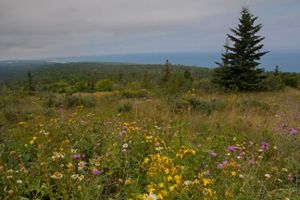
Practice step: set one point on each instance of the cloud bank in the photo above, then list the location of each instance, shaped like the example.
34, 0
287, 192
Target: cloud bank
43, 28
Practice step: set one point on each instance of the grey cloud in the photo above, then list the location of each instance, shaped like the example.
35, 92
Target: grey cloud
34, 28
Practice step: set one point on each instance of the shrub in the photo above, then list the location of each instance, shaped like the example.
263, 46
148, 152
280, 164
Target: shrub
197, 105
125, 108
69, 101
72, 101
205, 86
291, 80
272, 83
104, 85
131, 93
16, 113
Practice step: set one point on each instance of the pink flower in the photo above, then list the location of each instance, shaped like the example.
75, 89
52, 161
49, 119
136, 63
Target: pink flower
264, 146
212, 153
293, 131
95, 172
76, 156
231, 148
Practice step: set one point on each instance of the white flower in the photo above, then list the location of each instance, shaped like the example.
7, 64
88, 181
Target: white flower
19, 181
151, 196
267, 175
125, 146
159, 148
187, 182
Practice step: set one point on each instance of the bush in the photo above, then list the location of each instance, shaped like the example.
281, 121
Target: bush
104, 85
205, 86
292, 81
19, 112
69, 101
198, 105
131, 93
272, 83
125, 108
74, 101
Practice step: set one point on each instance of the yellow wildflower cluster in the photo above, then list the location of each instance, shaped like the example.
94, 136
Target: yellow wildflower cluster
125, 129
164, 173
129, 126
184, 151
204, 183
157, 163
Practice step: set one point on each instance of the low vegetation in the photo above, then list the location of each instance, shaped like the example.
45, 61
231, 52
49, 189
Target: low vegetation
142, 138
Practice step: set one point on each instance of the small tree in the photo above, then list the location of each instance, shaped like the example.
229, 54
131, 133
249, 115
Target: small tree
30, 84
167, 72
238, 68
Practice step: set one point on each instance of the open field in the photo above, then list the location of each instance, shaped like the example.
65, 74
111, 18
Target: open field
107, 145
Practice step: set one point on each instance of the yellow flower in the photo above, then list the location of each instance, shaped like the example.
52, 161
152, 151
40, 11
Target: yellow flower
128, 181
207, 181
169, 178
57, 175
167, 171
233, 173
177, 179
77, 177
150, 188
172, 188
161, 185
22, 123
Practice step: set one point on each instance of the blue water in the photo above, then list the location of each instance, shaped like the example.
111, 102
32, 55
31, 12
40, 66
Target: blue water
287, 62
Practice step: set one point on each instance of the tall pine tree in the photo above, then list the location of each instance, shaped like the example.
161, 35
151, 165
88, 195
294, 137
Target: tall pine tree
239, 66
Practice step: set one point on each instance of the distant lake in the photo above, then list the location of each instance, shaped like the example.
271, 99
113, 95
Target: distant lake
288, 62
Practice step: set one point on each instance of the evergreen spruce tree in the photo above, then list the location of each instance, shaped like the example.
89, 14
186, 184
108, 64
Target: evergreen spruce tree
166, 72
239, 66
30, 85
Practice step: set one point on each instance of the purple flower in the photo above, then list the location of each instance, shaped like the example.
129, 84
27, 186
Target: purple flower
95, 172
231, 148
264, 146
293, 131
220, 166
212, 153
83, 157
76, 156
225, 162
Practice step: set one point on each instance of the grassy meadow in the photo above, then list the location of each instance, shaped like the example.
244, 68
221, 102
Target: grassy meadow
112, 145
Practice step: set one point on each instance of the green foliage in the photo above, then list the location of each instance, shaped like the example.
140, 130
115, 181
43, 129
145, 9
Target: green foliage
135, 93
125, 108
205, 86
104, 85
291, 79
166, 72
250, 104
69, 101
238, 69
272, 83
195, 104
73, 101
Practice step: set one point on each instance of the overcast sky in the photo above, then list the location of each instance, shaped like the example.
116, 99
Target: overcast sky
57, 28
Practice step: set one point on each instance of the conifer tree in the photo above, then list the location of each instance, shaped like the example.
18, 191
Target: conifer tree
166, 72
30, 85
239, 66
